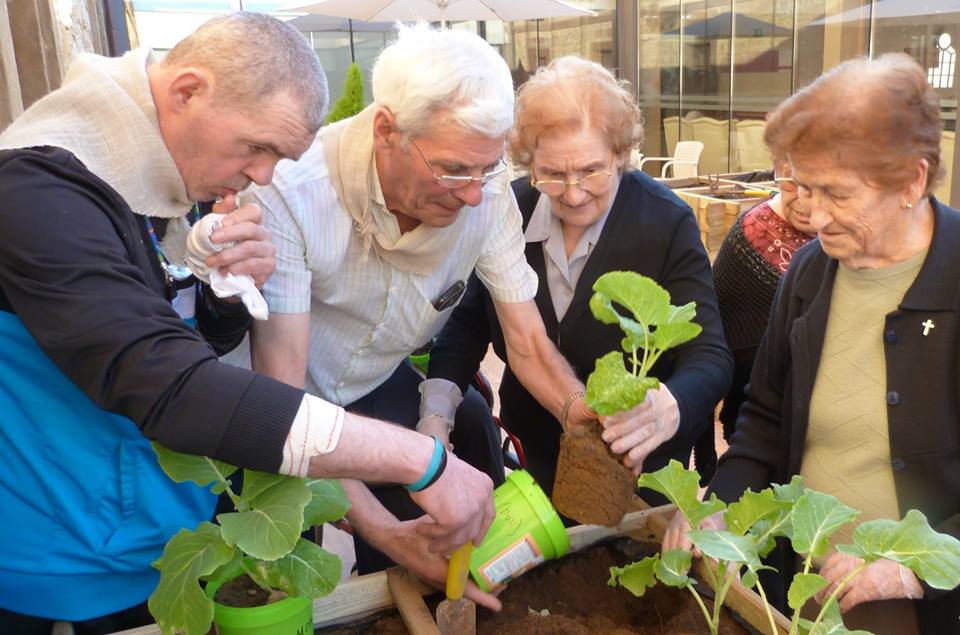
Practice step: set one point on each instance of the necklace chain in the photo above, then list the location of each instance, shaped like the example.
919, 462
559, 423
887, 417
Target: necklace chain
172, 273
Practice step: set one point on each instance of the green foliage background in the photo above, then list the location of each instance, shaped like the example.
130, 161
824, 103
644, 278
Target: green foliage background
351, 101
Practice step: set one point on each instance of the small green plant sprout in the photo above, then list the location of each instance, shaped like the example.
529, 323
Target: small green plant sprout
806, 518
261, 538
652, 327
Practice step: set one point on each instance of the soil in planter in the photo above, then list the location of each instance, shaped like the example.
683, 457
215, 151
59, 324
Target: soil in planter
571, 597
241, 592
592, 486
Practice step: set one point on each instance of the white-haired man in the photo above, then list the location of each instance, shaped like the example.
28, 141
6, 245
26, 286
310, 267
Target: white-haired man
378, 226
96, 355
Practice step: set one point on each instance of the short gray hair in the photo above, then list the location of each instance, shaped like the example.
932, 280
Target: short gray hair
428, 70
253, 57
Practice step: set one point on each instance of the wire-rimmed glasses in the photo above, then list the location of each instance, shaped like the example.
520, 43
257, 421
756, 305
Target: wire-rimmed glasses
593, 183
453, 182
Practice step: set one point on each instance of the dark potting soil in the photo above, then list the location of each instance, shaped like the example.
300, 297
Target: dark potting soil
571, 597
241, 592
592, 486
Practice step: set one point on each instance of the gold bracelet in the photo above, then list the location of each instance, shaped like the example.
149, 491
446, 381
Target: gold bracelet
566, 407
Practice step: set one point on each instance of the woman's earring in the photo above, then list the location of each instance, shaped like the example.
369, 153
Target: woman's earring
907, 204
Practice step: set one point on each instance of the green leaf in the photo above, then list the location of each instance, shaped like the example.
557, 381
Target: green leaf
272, 526
611, 389
603, 310
749, 578
672, 567
684, 313
804, 587
669, 335
681, 487
722, 545
636, 577
816, 516
178, 603
197, 469
637, 336
328, 503
752, 507
642, 296
932, 556
831, 624
308, 571
791, 492
767, 530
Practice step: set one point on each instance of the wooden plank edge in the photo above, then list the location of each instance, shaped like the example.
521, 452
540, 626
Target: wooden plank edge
413, 610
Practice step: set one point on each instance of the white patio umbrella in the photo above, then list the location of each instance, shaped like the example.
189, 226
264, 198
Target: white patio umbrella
442, 10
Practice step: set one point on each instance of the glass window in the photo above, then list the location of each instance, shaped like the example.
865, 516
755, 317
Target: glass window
705, 30
659, 69
762, 73
932, 40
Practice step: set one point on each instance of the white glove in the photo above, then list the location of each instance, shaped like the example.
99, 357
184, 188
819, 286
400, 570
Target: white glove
199, 248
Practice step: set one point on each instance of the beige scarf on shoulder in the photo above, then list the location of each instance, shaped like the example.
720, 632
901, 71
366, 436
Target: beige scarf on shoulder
348, 152
105, 115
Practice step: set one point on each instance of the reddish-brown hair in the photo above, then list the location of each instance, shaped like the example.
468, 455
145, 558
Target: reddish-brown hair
572, 93
878, 117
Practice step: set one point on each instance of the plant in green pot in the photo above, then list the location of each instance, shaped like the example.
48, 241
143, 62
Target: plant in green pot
254, 551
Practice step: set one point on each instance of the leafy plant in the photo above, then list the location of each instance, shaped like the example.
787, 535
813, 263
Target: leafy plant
351, 101
261, 538
652, 327
808, 519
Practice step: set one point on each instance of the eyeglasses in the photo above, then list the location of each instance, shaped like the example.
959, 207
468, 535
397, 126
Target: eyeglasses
786, 184
453, 182
592, 183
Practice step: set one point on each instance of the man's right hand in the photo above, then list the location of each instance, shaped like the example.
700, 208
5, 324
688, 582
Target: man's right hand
408, 548
460, 506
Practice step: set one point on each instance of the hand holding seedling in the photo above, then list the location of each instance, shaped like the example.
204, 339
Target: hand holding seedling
880, 580
807, 518
637, 432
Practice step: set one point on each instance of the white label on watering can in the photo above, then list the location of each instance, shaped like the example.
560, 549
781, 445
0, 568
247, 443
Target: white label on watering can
512, 562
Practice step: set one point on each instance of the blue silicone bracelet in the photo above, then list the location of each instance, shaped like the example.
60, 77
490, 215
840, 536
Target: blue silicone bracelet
435, 461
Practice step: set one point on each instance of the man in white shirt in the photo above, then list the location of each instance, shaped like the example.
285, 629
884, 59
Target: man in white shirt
377, 228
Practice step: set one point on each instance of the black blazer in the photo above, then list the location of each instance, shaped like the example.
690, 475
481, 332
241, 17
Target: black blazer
923, 395
650, 231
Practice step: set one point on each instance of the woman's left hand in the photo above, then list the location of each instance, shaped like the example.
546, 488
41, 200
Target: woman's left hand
880, 580
638, 432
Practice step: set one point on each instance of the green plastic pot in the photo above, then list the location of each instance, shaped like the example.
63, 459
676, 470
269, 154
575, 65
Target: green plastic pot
526, 532
289, 616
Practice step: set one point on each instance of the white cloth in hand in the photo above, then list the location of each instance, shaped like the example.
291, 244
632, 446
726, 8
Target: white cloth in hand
199, 248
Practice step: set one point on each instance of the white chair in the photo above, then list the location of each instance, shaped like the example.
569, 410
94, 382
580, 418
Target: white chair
715, 136
752, 152
685, 160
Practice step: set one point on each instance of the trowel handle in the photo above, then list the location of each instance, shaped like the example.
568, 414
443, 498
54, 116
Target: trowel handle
459, 569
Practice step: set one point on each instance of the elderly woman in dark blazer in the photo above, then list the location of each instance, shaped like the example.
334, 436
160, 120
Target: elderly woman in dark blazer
583, 216
855, 384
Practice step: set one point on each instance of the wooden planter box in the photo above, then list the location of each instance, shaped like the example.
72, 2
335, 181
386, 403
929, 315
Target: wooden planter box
716, 216
362, 596
723, 179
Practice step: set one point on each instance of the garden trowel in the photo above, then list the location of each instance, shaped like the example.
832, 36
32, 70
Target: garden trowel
457, 615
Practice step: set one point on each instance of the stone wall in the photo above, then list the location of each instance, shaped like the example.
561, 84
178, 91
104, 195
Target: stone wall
38, 40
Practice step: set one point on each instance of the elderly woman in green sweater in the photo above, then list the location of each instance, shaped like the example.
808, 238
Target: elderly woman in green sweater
855, 384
